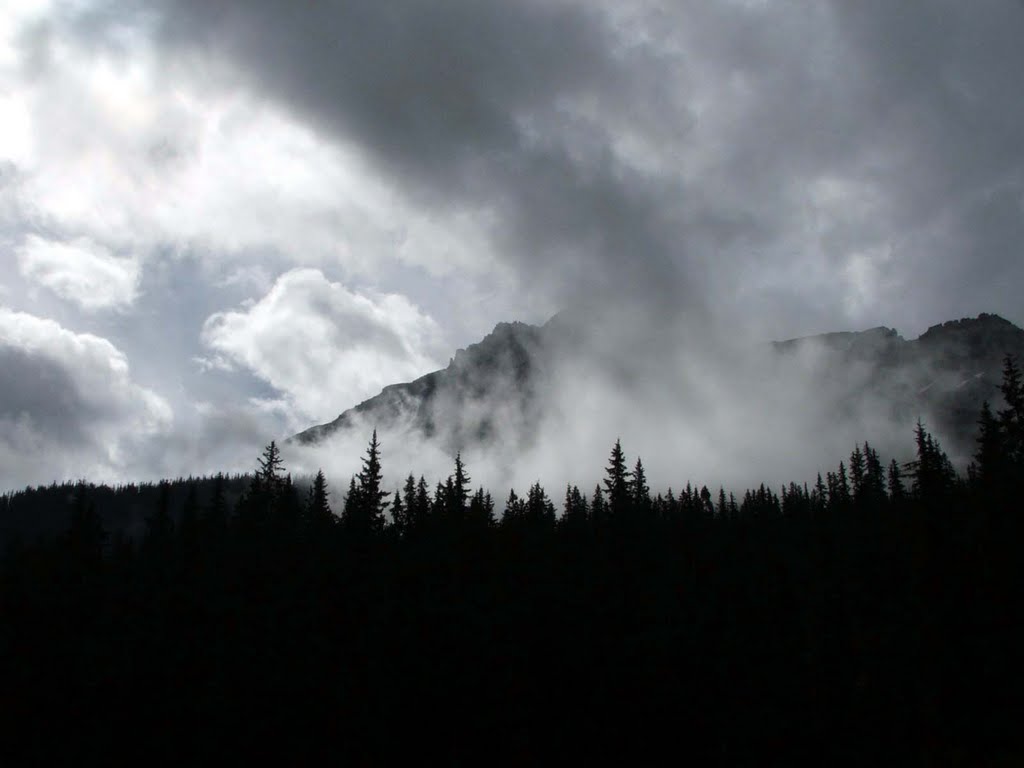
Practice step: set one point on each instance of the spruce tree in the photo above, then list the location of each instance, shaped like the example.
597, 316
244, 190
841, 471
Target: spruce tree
515, 509
318, 508
372, 498
897, 491
399, 517
617, 482
598, 508
640, 491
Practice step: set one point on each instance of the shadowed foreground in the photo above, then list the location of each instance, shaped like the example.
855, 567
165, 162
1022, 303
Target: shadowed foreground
875, 615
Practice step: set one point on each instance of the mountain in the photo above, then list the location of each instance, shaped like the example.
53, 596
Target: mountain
486, 384
499, 386
943, 376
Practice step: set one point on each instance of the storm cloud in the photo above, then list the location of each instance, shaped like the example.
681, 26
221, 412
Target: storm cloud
841, 152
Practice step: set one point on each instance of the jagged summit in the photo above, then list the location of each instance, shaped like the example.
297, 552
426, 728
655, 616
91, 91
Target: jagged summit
506, 364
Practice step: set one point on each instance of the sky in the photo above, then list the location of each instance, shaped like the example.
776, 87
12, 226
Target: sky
221, 223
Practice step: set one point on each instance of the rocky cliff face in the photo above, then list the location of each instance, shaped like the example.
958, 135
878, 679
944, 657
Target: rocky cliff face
497, 388
488, 388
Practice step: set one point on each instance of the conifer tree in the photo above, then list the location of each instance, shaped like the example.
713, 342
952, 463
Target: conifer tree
481, 509
640, 491
991, 453
353, 516
897, 491
318, 508
617, 482
409, 500
857, 472
420, 511
539, 509
515, 509
933, 474
372, 498
271, 468
874, 478
460, 486
575, 513
707, 506
598, 508
399, 517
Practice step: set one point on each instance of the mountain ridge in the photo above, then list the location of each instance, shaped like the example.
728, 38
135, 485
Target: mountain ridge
946, 371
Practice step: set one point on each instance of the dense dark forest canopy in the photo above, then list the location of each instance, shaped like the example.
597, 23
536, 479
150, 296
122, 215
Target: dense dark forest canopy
875, 613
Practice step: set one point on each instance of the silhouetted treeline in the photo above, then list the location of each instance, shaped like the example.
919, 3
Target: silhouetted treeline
874, 615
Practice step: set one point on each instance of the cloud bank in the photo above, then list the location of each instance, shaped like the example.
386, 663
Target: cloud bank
68, 405
320, 344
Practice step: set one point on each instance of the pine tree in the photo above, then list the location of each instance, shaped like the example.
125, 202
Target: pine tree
420, 511
598, 508
857, 472
399, 518
874, 478
707, 506
353, 516
459, 493
991, 456
318, 508
842, 486
575, 512
897, 492
413, 519
515, 509
640, 491
271, 468
373, 500
933, 475
819, 496
617, 482
539, 509
481, 509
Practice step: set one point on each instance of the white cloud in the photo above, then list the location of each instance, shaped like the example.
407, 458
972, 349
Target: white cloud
326, 347
80, 271
165, 158
68, 404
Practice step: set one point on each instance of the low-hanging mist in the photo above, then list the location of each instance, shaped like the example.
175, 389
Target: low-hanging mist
697, 403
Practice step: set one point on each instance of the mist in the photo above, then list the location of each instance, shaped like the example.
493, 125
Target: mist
699, 401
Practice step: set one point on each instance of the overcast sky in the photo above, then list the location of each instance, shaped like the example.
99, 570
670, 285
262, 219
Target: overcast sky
221, 222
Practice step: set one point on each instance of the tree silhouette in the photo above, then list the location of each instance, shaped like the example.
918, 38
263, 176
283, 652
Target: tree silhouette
367, 501
318, 508
617, 483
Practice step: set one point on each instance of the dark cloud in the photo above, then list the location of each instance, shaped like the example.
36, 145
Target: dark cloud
68, 403
523, 110
45, 393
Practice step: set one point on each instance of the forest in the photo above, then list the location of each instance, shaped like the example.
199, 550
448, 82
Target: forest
874, 614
